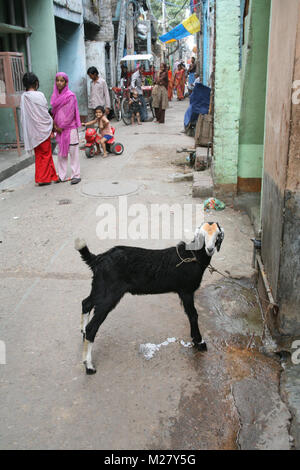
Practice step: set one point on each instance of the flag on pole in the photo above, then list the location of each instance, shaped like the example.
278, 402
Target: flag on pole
187, 27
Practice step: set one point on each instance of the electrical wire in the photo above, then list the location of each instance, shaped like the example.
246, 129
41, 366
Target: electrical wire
168, 14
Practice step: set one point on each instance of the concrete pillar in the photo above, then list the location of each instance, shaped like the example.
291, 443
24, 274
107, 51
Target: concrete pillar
227, 96
112, 64
130, 35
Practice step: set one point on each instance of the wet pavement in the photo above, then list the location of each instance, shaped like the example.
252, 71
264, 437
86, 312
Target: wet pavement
244, 368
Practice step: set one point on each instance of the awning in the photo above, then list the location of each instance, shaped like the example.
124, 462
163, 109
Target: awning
137, 57
187, 27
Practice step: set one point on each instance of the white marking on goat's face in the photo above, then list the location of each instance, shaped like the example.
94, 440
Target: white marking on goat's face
207, 235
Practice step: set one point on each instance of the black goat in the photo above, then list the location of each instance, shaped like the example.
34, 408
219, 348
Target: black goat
142, 271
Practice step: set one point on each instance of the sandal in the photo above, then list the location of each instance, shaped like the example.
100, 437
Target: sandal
62, 181
75, 180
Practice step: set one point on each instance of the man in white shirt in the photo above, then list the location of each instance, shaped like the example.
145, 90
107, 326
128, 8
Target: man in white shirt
136, 83
99, 94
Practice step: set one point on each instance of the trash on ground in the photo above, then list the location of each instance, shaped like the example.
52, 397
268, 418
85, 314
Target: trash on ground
213, 203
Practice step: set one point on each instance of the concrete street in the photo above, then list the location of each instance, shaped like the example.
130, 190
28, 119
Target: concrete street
226, 398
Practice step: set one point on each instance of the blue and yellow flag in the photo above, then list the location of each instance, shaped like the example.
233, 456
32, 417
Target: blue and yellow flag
189, 26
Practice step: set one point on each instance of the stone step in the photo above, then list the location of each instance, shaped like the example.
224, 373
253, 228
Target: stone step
203, 184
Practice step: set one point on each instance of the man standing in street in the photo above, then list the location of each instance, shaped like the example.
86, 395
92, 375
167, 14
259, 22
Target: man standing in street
99, 94
136, 83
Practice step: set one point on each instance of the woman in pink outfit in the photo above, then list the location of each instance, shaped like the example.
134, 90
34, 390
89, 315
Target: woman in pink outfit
66, 122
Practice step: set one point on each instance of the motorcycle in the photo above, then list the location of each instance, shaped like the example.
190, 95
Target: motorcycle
92, 138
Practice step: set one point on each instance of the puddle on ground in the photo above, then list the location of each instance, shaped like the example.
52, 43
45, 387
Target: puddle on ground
231, 323
231, 307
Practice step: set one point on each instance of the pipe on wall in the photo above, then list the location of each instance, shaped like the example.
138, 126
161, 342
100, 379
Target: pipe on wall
12, 19
28, 50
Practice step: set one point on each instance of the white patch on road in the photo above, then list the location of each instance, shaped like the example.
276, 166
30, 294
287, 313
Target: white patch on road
186, 345
149, 349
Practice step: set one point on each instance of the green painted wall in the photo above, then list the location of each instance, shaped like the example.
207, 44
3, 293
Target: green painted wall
43, 54
253, 90
43, 43
227, 93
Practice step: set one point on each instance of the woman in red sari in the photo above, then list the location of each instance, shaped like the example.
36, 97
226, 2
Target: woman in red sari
170, 84
37, 128
179, 82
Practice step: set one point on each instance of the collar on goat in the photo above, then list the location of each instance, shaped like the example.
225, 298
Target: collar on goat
185, 260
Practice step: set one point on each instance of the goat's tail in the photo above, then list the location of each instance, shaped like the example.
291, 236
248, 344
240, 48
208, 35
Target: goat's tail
86, 255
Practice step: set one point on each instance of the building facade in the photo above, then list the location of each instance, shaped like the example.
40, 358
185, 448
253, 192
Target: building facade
257, 135
70, 36
59, 35
280, 214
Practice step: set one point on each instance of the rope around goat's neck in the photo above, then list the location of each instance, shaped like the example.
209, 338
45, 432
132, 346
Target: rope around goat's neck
185, 260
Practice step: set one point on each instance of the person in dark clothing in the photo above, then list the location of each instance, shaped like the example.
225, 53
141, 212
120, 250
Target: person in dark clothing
135, 106
160, 94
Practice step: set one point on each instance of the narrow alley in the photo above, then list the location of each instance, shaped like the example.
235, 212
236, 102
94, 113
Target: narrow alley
149, 189
225, 398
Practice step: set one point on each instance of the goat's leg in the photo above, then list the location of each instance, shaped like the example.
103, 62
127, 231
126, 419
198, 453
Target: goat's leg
190, 310
102, 309
87, 306
90, 333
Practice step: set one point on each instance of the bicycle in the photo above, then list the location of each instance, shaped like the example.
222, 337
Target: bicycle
116, 102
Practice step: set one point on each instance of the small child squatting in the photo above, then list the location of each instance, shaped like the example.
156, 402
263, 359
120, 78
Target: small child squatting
141, 271
104, 127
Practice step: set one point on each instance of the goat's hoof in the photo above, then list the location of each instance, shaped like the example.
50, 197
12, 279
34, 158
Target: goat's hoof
201, 346
89, 370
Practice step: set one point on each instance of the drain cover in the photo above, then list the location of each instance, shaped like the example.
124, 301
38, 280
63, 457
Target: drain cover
104, 188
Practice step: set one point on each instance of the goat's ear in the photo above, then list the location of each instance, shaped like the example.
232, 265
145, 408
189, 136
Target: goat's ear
220, 238
198, 240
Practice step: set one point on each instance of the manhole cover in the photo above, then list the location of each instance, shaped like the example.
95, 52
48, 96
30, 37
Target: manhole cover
104, 188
